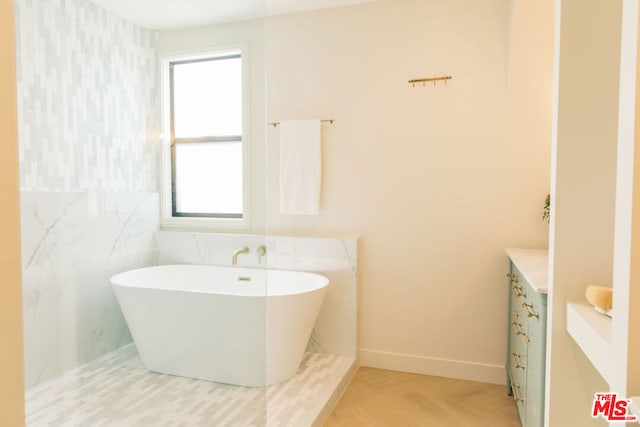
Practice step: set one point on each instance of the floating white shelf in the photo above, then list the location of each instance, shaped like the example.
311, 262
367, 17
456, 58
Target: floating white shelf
592, 332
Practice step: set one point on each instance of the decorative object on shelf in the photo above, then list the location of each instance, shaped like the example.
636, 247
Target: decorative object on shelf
546, 211
429, 79
600, 297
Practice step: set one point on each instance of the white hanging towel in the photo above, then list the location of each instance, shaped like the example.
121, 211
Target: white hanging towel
300, 167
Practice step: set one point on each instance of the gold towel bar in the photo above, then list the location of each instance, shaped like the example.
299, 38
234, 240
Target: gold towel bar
330, 121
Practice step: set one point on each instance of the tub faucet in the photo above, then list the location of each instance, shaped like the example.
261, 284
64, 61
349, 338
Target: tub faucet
262, 251
234, 259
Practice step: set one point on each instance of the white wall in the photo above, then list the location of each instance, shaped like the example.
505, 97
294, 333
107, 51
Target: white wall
625, 324
435, 181
584, 181
530, 101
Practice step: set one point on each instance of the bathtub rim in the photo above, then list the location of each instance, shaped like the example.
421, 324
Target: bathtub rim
322, 281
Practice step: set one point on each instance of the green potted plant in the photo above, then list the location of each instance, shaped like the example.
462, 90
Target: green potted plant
546, 211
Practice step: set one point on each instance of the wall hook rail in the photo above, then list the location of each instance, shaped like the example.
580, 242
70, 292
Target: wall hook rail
429, 79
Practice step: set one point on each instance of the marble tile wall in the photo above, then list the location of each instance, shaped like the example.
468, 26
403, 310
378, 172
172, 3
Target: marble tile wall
88, 95
335, 329
88, 117
72, 243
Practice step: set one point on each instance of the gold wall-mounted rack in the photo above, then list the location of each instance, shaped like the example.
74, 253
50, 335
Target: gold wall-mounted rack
330, 121
429, 79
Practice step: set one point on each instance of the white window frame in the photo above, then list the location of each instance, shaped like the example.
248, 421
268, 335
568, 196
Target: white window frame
167, 220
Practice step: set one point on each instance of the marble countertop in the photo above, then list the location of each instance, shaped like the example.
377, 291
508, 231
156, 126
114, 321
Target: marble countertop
533, 264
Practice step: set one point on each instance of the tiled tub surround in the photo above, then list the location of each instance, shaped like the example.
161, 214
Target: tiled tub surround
88, 147
335, 329
72, 243
87, 99
116, 390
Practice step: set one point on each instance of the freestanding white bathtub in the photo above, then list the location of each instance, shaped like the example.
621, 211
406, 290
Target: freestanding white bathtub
241, 326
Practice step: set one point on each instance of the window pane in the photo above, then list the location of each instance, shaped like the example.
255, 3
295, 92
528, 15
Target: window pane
207, 98
208, 177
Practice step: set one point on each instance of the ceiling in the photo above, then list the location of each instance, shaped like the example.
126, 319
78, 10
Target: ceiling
172, 14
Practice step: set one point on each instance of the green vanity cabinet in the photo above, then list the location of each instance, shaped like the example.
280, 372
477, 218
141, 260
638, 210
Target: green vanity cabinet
526, 342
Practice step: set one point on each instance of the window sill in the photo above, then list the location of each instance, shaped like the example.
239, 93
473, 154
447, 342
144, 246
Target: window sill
209, 224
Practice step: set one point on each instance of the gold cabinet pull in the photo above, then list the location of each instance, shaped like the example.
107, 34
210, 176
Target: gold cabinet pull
529, 309
517, 328
518, 291
516, 363
513, 278
515, 394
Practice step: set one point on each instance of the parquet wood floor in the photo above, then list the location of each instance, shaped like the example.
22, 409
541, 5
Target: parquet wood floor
381, 398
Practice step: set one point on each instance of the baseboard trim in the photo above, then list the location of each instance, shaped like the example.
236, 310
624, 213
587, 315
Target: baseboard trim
472, 371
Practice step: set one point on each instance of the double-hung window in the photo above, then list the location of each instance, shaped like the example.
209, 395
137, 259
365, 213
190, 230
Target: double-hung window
204, 155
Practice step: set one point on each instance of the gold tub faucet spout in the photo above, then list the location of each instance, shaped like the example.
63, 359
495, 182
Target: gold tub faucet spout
234, 259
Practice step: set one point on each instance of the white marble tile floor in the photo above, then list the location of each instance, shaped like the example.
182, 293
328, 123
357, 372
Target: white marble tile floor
115, 390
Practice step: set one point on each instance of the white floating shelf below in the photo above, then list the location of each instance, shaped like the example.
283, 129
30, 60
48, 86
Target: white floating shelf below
592, 332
